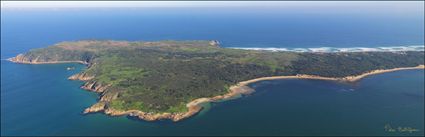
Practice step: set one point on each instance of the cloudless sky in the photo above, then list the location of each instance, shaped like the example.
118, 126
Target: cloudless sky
408, 5
395, 7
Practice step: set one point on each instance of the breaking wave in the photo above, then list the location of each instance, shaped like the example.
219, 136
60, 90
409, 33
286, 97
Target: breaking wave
333, 49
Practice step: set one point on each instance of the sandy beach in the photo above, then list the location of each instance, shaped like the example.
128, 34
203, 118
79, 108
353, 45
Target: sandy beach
358, 77
242, 87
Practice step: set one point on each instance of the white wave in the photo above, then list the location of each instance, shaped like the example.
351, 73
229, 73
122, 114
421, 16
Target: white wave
334, 49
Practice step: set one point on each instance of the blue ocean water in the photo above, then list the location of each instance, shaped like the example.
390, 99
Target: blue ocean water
39, 100
246, 27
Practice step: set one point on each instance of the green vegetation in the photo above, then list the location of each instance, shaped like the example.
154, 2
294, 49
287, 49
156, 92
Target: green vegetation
164, 76
346, 64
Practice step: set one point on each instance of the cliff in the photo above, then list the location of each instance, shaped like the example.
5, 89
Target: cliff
21, 58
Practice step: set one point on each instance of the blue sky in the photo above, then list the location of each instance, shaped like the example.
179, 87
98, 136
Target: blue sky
393, 8
60, 4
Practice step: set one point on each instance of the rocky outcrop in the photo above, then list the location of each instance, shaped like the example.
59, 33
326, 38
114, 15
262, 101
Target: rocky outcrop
95, 86
102, 106
109, 96
99, 106
154, 116
21, 58
215, 43
81, 76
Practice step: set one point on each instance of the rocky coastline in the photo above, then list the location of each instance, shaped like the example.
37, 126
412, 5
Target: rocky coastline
194, 106
241, 88
20, 58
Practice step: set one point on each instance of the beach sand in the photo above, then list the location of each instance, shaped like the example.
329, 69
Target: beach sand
242, 87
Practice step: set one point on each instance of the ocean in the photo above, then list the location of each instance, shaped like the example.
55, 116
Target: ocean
39, 100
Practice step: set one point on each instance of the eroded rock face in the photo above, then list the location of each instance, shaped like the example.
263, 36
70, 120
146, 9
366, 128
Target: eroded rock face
95, 86
100, 106
192, 111
24, 59
81, 76
154, 116
21, 58
109, 96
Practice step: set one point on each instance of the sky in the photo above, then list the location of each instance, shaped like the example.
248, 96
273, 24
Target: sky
75, 4
394, 8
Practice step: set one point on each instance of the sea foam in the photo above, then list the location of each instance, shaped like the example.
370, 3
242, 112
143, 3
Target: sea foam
334, 49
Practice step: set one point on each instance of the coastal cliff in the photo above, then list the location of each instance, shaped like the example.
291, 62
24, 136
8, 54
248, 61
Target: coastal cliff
21, 58
95, 86
81, 76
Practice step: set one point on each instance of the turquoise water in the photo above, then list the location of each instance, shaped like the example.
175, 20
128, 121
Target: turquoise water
39, 100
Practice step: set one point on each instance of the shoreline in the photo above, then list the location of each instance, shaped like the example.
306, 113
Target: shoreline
22, 60
195, 106
405, 48
50, 62
242, 87
379, 71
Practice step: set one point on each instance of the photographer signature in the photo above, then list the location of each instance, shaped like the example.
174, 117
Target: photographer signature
389, 128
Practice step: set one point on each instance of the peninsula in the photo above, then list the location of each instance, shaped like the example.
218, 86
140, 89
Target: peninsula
170, 79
